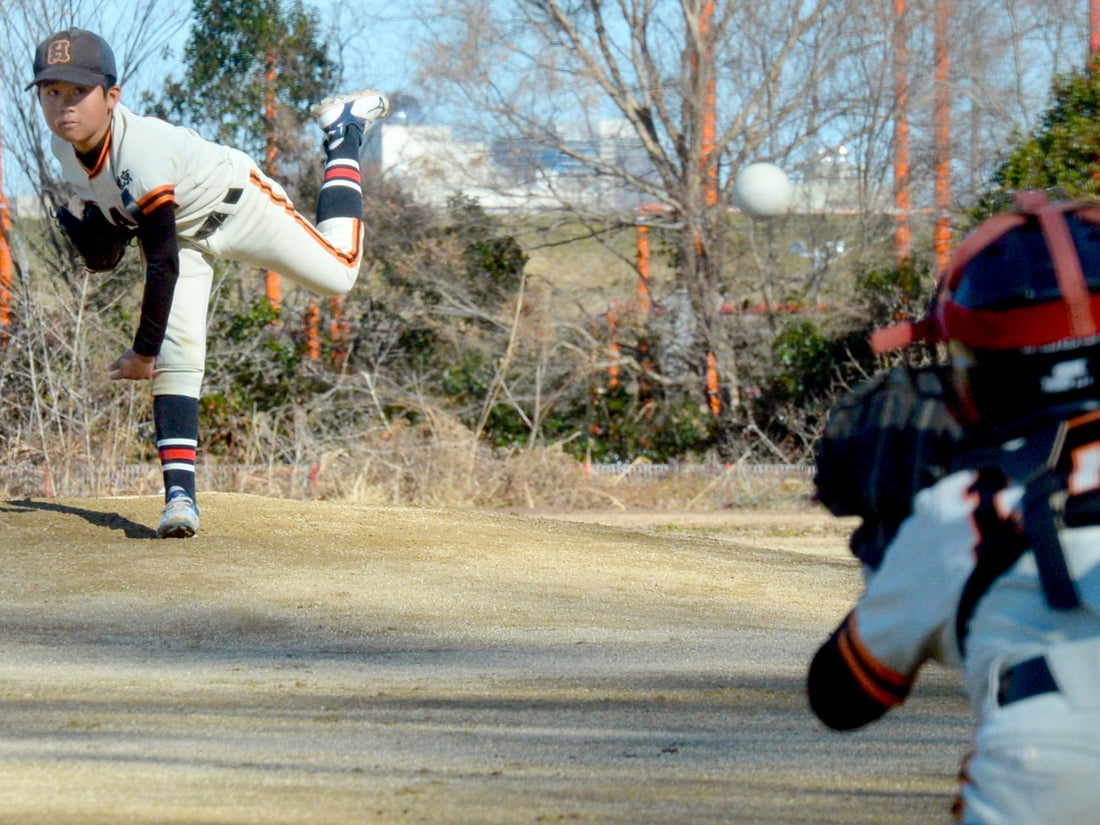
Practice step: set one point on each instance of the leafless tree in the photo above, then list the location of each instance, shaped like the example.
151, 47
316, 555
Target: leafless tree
777, 77
1002, 56
792, 81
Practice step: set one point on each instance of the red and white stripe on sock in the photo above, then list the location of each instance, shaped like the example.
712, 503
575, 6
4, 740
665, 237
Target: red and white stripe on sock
341, 193
177, 462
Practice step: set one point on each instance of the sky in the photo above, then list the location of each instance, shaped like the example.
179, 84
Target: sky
374, 44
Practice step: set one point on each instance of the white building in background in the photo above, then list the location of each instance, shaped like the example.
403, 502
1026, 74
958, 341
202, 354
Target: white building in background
426, 159
510, 174
434, 166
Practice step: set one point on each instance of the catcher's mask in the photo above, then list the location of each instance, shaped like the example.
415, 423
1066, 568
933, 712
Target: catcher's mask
1019, 310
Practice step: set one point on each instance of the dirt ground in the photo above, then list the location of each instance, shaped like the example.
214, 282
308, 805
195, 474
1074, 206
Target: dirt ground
317, 662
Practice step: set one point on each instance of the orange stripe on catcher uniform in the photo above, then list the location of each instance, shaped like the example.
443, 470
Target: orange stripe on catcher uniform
349, 257
885, 686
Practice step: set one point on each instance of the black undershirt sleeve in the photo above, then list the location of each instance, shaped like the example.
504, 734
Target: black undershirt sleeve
836, 695
157, 234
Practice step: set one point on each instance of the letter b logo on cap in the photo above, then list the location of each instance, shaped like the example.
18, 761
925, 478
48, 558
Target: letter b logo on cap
59, 52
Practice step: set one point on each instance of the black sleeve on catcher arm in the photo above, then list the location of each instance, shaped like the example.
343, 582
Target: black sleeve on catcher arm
100, 243
157, 232
838, 696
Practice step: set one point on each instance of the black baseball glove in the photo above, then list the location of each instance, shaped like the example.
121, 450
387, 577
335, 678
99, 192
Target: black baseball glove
100, 243
885, 441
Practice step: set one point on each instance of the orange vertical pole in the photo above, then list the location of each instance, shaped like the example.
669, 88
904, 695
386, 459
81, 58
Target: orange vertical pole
709, 120
338, 330
5, 272
5, 259
710, 167
1094, 31
613, 346
714, 396
642, 235
941, 242
903, 235
272, 287
272, 158
645, 303
312, 322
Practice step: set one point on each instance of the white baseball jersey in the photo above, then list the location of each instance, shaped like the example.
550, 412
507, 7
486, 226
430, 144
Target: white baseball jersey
1036, 760
906, 615
147, 160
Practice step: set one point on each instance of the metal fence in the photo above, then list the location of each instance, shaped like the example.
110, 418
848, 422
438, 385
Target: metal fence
301, 480
646, 471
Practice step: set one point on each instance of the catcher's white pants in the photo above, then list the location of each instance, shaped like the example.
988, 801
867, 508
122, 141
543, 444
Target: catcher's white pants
263, 230
1037, 761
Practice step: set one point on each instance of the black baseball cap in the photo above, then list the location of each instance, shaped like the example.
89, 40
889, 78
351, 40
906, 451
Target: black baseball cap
74, 55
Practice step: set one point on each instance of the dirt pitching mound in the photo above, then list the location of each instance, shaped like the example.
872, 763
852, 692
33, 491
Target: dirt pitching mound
316, 662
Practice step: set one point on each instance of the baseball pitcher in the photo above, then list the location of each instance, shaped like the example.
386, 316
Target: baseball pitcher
188, 201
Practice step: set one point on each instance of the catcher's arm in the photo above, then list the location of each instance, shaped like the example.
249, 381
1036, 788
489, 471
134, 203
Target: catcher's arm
846, 688
101, 244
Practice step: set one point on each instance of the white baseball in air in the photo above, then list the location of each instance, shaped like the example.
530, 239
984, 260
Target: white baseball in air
763, 190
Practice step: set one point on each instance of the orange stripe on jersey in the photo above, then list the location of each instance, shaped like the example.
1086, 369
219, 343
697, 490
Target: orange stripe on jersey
348, 257
973, 499
101, 159
885, 686
157, 198
1087, 418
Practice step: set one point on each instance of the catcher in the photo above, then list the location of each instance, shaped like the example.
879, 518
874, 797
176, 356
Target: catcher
997, 569
188, 201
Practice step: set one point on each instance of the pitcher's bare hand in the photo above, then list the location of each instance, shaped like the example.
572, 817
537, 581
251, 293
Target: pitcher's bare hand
132, 367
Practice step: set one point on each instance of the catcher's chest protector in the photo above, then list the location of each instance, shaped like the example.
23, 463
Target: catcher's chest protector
1057, 462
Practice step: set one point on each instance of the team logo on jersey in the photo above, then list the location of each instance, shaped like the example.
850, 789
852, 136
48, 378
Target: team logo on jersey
59, 53
124, 179
1066, 376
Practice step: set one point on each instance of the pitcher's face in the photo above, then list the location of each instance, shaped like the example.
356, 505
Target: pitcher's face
80, 115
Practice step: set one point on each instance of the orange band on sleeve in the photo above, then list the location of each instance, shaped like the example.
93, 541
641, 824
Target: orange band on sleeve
157, 198
883, 684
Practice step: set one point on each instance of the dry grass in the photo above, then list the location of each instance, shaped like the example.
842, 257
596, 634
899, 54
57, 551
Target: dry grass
438, 463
